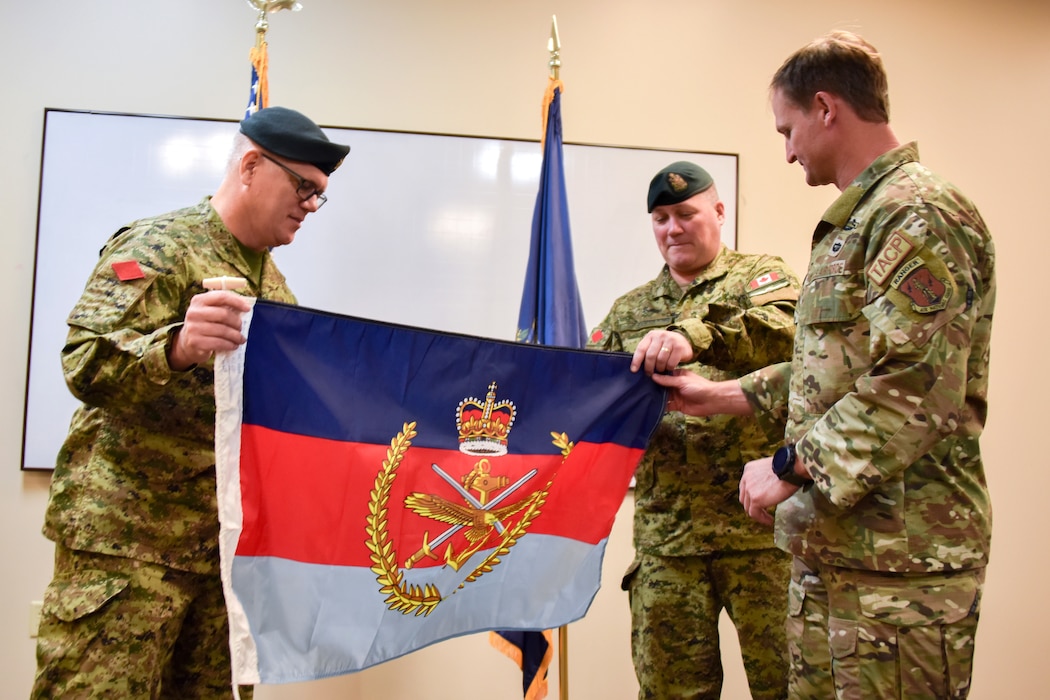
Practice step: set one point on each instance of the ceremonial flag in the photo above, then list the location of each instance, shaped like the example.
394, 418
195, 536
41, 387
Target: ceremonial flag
551, 312
382, 488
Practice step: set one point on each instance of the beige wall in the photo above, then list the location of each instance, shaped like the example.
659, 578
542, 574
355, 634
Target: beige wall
970, 80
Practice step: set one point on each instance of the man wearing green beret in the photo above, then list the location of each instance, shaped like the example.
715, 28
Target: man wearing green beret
722, 314
135, 608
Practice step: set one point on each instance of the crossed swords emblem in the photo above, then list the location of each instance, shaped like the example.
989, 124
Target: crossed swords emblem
478, 516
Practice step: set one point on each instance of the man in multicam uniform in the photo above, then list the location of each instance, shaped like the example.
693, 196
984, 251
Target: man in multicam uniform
723, 314
885, 400
135, 608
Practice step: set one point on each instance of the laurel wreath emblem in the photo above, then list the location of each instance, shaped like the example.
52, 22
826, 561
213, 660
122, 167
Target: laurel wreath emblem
423, 600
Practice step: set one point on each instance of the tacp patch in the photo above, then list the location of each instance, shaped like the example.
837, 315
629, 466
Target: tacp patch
893, 253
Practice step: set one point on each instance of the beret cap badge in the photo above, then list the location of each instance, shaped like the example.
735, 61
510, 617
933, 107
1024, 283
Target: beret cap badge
676, 182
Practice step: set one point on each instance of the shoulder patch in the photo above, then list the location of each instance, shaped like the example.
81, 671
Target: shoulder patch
597, 335
925, 291
127, 270
785, 293
922, 284
897, 248
765, 283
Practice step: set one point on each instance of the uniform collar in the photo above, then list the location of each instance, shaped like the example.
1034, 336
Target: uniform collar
840, 210
225, 242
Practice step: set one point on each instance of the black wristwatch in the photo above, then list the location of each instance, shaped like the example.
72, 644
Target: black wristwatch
784, 466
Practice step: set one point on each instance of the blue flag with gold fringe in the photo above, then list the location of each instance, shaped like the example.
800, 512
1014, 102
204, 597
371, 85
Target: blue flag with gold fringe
551, 311
551, 314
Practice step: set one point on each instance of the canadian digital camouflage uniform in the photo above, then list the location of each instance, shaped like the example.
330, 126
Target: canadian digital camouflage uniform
885, 399
697, 551
132, 506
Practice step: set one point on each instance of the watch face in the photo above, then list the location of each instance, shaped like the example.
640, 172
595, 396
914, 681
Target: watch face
784, 466
784, 460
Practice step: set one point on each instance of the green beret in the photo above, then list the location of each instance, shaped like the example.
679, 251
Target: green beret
676, 183
294, 136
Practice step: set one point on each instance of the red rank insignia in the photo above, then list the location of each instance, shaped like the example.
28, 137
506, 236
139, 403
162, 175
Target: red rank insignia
128, 270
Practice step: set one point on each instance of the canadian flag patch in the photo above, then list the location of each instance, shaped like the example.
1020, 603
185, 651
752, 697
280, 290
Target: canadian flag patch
764, 280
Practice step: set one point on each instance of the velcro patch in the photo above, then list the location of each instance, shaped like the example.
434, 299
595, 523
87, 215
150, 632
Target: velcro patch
897, 248
128, 270
926, 292
765, 283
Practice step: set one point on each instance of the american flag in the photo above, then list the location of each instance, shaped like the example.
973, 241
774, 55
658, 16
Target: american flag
258, 95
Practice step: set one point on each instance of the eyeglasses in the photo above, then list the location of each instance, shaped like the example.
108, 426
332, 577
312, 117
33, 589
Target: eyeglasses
305, 189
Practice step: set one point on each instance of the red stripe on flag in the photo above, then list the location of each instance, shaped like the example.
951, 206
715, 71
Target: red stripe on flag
308, 499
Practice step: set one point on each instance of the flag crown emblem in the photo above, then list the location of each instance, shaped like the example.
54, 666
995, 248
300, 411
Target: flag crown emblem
484, 426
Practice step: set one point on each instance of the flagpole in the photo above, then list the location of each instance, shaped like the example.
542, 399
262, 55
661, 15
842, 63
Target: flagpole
262, 25
551, 313
563, 662
554, 47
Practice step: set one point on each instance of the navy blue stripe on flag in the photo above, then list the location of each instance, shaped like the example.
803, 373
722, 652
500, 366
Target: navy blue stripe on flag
354, 380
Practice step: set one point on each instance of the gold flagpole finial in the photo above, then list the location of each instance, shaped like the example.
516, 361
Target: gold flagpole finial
275, 5
260, 93
269, 6
554, 46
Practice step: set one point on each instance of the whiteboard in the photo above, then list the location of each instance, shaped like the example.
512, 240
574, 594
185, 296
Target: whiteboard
426, 230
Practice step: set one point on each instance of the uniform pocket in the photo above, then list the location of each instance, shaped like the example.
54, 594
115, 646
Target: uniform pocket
842, 637
804, 636
832, 332
845, 661
939, 601
832, 299
628, 576
795, 598
107, 301
80, 596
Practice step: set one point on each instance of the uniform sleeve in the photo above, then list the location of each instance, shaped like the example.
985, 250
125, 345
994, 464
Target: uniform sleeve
606, 336
925, 323
753, 325
119, 330
767, 391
